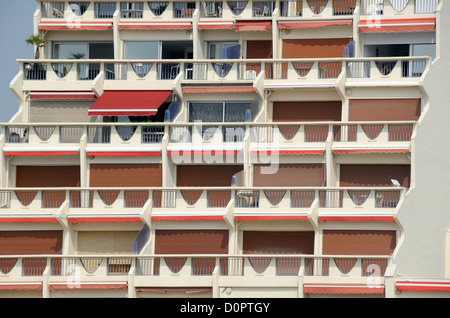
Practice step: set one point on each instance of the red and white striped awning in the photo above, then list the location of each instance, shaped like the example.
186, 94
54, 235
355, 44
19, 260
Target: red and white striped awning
124, 152
75, 25
74, 285
204, 151
104, 219
20, 285
187, 218
256, 25
357, 218
40, 151
312, 23
285, 151
217, 89
27, 219
215, 25
397, 25
273, 217
422, 286
155, 25
369, 150
311, 288
66, 95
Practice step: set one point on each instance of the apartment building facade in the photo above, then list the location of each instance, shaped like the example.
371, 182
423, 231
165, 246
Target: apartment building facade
236, 149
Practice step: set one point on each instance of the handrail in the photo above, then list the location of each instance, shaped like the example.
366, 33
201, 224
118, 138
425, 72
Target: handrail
193, 124
231, 188
134, 256
334, 59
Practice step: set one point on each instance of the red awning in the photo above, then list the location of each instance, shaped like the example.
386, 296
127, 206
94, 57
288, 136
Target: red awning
159, 25
397, 25
104, 219
215, 25
40, 151
312, 24
188, 218
288, 152
270, 218
86, 285
343, 289
253, 25
28, 220
172, 289
217, 89
63, 95
75, 25
422, 286
125, 152
129, 103
367, 151
21, 286
357, 219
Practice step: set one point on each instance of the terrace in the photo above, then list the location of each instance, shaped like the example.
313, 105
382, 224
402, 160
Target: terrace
51, 15
102, 75
137, 205
132, 274
179, 140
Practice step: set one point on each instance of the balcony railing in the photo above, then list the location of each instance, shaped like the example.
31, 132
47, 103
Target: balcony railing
396, 7
71, 271
244, 138
114, 73
175, 10
164, 200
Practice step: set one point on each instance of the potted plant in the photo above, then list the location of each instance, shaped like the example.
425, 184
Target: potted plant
38, 42
36, 71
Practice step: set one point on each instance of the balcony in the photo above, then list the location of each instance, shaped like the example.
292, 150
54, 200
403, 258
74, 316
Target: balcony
127, 275
79, 205
141, 14
82, 75
184, 140
398, 7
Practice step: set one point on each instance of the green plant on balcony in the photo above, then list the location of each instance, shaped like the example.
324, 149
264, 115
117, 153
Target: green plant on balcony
38, 42
77, 56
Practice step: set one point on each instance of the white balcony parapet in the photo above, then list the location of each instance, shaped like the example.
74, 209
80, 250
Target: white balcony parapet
80, 15
72, 272
187, 139
129, 204
80, 75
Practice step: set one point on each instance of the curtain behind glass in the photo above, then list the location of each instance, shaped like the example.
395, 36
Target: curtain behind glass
235, 112
206, 112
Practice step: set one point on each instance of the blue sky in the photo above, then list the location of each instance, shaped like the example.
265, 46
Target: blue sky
16, 26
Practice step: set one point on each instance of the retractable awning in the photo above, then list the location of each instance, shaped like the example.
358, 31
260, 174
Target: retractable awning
129, 103
312, 24
215, 25
75, 25
397, 25
155, 25
62, 95
253, 25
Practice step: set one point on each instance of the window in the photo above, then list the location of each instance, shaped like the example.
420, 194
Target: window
83, 50
135, 50
70, 51
210, 112
219, 50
